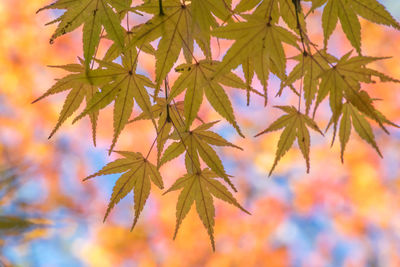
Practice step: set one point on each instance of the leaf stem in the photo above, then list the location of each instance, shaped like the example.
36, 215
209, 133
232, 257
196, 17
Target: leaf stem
155, 139
166, 100
297, 11
161, 8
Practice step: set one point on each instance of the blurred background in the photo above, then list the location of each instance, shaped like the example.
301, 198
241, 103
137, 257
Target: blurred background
338, 215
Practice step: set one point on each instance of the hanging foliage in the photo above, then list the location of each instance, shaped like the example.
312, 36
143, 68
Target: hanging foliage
261, 32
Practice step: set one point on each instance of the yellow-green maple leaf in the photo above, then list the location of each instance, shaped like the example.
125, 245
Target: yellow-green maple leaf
82, 85
346, 11
258, 37
93, 14
125, 87
262, 63
343, 81
138, 173
351, 116
200, 188
198, 79
167, 115
295, 126
205, 14
274, 9
246, 5
114, 51
177, 30
309, 68
197, 143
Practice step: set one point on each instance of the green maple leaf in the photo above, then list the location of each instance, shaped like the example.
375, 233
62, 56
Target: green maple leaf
200, 188
346, 11
262, 63
261, 66
93, 14
350, 115
82, 85
198, 79
114, 51
167, 115
309, 68
206, 12
125, 87
258, 38
197, 143
178, 31
343, 82
246, 5
274, 9
290, 11
159, 110
295, 126
138, 173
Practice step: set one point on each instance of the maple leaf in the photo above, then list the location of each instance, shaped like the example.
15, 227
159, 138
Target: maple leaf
343, 81
295, 126
200, 188
291, 13
198, 79
82, 85
197, 143
260, 39
125, 87
138, 173
309, 68
159, 110
178, 32
350, 115
262, 67
206, 12
168, 115
114, 51
246, 5
93, 14
274, 9
347, 11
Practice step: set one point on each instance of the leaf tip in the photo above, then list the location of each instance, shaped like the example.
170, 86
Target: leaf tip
105, 216
52, 133
134, 222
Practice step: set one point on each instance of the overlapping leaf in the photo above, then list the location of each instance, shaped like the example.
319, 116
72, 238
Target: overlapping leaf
351, 116
168, 115
309, 68
197, 143
114, 51
295, 126
346, 11
199, 79
93, 14
178, 31
206, 12
138, 173
125, 87
343, 82
82, 85
200, 188
258, 39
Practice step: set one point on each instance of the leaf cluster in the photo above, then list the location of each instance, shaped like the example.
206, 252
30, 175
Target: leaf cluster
261, 31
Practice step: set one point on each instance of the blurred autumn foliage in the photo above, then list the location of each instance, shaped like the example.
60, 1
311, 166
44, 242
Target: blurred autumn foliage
338, 215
